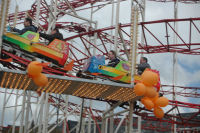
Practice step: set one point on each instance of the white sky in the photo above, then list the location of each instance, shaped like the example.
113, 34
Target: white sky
161, 62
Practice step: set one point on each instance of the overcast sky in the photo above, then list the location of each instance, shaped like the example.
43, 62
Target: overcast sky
188, 65
188, 70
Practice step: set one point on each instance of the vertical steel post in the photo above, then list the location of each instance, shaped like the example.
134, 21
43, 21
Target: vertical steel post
133, 40
28, 106
175, 60
52, 16
89, 118
103, 126
3, 15
15, 111
142, 42
46, 114
111, 122
112, 17
130, 126
117, 25
21, 129
3, 111
95, 128
120, 123
106, 121
95, 39
65, 114
38, 13
81, 116
40, 115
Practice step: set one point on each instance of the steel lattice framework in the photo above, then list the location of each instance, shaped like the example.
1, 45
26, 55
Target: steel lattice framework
186, 45
160, 44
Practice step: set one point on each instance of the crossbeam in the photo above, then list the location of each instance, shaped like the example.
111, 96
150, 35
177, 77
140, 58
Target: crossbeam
95, 89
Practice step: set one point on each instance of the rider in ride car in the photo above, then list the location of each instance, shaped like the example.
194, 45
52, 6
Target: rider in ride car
28, 26
55, 34
113, 59
143, 65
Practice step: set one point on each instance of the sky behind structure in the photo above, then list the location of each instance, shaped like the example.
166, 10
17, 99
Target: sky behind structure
188, 69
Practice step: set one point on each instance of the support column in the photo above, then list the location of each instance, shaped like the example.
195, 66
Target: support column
40, 115
120, 123
65, 115
89, 118
3, 111
139, 124
28, 106
112, 17
111, 122
130, 125
21, 129
3, 16
117, 25
81, 116
103, 126
95, 128
106, 120
15, 111
133, 40
104, 116
46, 115
175, 61
52, 16
38, 12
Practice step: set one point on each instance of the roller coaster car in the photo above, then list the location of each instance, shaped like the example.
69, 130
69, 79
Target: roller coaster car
120, 73
56, 52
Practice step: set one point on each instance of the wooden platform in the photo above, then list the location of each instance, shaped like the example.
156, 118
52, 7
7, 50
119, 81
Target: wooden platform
103, 89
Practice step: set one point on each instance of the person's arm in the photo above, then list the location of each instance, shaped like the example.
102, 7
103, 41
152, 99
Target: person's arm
46, 36
113, 63
142, 67
19, 31
59, 36
29, 28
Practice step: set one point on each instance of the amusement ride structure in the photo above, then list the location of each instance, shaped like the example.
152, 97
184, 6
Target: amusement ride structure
43, 109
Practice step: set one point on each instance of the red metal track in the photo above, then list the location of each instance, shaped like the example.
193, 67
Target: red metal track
192, 92
44, 10
154, 43
158, 45
163, 43
183, 1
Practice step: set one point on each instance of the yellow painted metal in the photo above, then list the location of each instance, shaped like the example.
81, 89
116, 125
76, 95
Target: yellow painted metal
126, 76
19, 38
113, 70
34, 46
47, 50
10, 80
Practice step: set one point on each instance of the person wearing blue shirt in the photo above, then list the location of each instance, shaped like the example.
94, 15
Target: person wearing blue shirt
28, 26
113, 59
143, 65
55, 34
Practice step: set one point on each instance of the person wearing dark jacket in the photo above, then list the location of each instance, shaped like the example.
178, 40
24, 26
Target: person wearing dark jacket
55, 34
143, 65
28, 26
113, 59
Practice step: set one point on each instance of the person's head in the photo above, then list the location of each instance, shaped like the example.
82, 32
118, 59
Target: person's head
55, 31
111, 55
27, 22
143, 60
